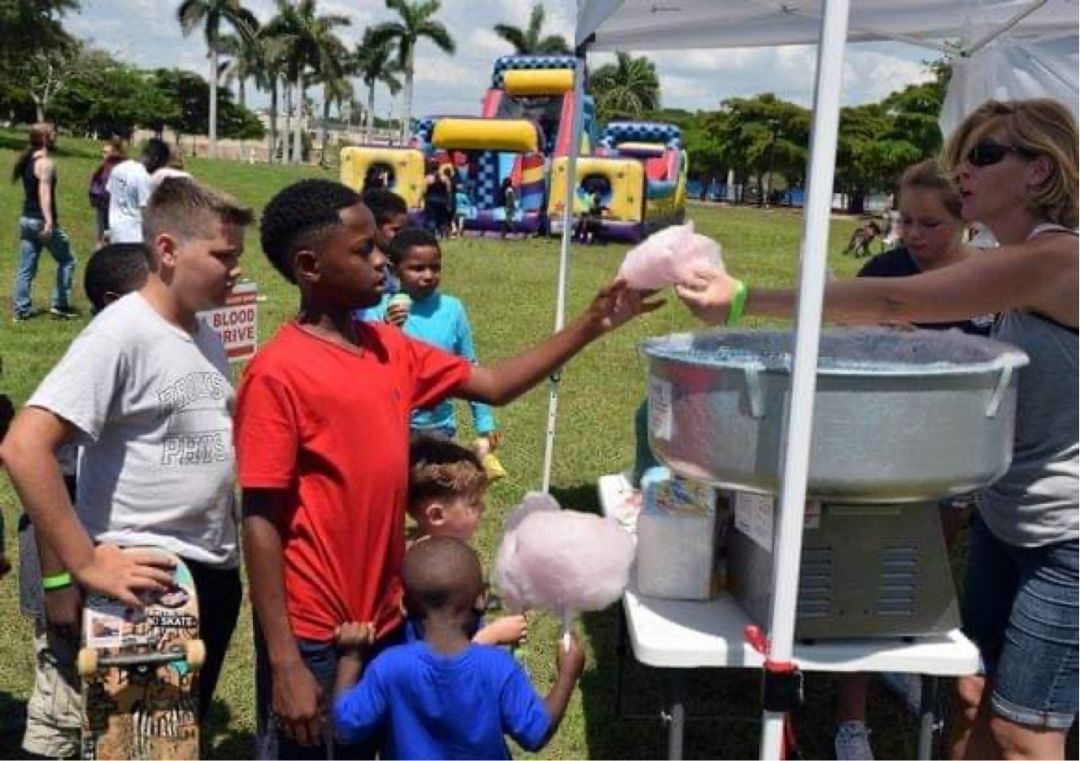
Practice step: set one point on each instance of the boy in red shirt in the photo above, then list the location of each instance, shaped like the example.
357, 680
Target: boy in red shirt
322, 444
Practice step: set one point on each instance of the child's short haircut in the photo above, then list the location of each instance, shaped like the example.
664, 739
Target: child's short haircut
384, 204
408, 239
297, 215
439, 468
118, 268
180, 206
441, 573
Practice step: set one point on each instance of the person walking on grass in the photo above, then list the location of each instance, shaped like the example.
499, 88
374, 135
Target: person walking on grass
39, 226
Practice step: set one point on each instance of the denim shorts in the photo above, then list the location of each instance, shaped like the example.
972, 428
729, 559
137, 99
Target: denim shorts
1020, 608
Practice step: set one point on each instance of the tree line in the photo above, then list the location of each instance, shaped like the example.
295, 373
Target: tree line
765, 140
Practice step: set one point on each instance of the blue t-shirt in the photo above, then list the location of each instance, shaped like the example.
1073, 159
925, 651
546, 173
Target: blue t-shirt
439, 320
437, 706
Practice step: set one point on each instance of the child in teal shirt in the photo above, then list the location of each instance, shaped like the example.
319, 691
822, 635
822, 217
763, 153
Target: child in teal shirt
438, 319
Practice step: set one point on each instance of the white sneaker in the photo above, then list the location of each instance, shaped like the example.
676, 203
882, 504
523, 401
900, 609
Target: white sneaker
853, 742
907, 687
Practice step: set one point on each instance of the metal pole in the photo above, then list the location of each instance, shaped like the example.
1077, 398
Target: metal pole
796, 456
564, 257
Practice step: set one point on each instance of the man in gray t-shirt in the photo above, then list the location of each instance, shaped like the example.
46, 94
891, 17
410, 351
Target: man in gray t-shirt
144, 390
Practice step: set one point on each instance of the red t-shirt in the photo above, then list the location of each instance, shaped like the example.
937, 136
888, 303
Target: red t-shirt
330, 425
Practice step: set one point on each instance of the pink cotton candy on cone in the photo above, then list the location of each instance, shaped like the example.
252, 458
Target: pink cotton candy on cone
668, 257
562, 560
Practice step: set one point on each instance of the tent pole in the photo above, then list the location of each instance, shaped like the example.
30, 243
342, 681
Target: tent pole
787, 547
993, 35
564, 256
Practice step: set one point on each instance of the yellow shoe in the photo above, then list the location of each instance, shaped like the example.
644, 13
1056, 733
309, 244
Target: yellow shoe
492, 467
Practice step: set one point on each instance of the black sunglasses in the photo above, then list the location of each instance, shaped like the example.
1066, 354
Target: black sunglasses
988, 153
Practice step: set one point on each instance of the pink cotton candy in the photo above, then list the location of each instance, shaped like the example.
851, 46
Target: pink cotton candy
668, 257
561, 560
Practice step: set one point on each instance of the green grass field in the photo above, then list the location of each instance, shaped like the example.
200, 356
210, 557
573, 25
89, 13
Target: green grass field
509, 289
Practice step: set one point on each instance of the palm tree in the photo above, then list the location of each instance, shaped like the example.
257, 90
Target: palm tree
247, 60
336, 89
417, 21
309, 45
374, 65
209, 14
626, 89
528, 41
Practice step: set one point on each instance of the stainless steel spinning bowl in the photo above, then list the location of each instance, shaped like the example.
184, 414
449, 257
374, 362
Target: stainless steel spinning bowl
899, 416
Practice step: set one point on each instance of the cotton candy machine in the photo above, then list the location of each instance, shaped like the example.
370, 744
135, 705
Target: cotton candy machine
902, 419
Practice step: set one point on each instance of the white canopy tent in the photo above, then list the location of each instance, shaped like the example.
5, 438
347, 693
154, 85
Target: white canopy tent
1019, 37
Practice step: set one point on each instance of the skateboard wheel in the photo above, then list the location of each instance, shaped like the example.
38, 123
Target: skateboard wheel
86, 663
195, 653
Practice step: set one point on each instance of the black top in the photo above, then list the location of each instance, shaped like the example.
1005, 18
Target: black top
438, 191
898, 262
31, 203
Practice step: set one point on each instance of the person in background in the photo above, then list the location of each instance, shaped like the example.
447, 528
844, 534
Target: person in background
39, 226
111, 154
175, 168
436, 198
509, 203
129, 190
462, 209
930, 216
391, 217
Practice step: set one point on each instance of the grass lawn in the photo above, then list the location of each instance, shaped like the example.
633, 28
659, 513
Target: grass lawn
509, 289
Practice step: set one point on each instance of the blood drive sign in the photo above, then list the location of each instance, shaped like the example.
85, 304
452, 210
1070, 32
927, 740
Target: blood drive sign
237, 322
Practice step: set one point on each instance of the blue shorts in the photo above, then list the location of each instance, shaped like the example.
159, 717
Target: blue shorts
1020, 608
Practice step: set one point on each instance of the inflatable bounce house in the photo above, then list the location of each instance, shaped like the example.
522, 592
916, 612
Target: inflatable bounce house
399, 169
526, 120
639, 175
521, 140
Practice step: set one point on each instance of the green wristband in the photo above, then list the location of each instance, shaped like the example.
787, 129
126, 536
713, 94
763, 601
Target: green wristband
56, 581
738, 304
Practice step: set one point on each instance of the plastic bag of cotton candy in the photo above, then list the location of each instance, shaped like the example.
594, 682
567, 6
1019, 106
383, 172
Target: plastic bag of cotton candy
561, 561
668, 257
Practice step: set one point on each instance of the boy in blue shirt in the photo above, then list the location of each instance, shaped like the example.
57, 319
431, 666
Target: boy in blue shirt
435, 318
443, 696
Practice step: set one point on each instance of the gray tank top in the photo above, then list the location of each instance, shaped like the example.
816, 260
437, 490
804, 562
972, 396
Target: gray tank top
1037, 501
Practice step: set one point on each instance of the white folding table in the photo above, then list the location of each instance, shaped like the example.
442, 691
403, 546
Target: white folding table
678, 635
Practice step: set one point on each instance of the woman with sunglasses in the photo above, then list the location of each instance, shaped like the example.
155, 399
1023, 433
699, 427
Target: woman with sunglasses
1015, 166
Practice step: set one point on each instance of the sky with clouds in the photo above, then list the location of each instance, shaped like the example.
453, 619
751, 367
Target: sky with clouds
145, 32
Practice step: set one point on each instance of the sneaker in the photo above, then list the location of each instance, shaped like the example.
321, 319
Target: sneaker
907, 687
20, 317
492, 467
63, 313
853, 742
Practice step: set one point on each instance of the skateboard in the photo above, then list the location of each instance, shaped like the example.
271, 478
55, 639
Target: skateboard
139, 672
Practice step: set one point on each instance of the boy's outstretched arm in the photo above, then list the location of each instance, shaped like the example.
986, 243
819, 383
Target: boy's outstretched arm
29, 453
297, 698
504, 381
